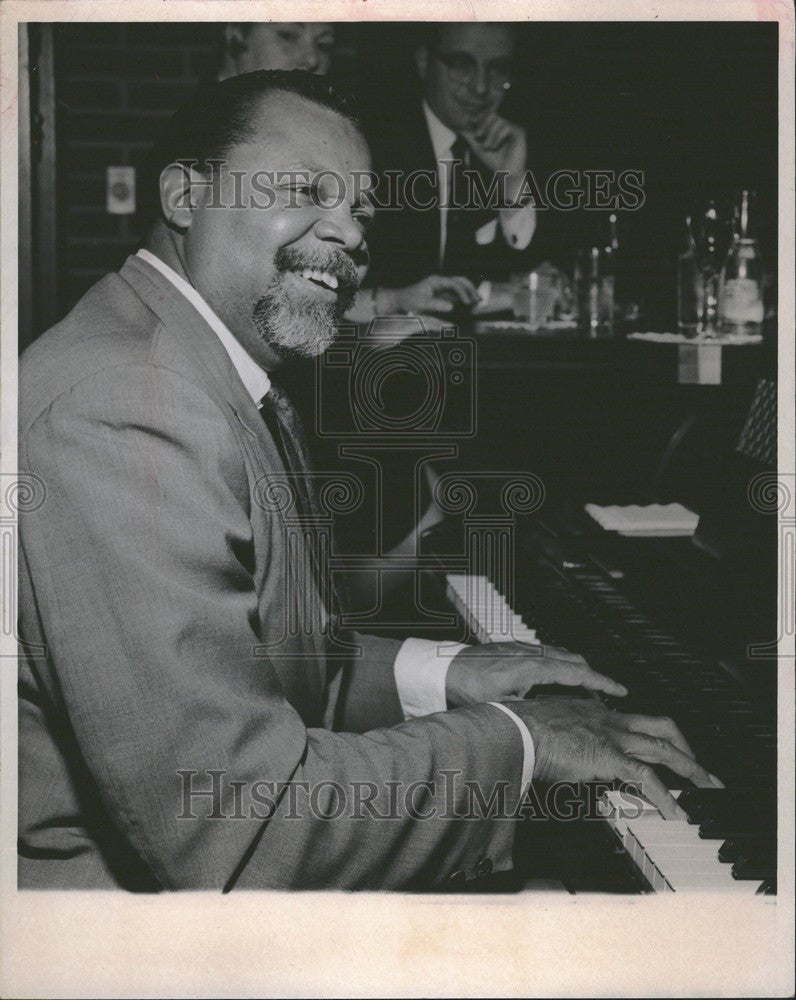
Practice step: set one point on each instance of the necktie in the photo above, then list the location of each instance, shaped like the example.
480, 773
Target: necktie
465, 216
290, 438
287, 430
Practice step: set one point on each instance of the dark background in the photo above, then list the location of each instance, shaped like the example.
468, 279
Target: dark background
693, 105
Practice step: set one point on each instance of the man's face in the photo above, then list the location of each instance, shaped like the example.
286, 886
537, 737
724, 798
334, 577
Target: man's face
464, 71
295, 45
282, 275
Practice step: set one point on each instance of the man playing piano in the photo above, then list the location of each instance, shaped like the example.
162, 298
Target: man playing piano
187, 716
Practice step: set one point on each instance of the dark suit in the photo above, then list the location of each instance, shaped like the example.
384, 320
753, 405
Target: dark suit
405, 243
156, 587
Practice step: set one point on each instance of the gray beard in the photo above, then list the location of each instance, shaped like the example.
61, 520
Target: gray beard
292, 334
293, 329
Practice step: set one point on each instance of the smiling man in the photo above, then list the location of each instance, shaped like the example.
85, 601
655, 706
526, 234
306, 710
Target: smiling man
184, 721
437, 254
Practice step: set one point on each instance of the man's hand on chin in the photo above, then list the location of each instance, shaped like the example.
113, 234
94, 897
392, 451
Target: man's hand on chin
498, 671
499, 144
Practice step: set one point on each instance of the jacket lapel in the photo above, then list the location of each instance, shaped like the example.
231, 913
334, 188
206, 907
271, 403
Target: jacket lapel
200, 350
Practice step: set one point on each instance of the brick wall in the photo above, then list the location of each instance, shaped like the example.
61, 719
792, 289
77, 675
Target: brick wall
115, 85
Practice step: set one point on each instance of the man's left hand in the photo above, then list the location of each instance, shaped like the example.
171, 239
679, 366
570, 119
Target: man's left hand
499, 144
498, 671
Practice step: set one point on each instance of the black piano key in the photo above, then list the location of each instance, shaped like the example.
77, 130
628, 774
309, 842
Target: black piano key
746, 870
749, 848
707, 803
732, 829
760, 815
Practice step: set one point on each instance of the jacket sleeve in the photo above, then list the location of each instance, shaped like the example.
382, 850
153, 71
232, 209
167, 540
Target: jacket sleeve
141, 566
367, 696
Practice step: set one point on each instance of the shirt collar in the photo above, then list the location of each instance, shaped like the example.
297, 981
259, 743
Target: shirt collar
442, 137
254, 378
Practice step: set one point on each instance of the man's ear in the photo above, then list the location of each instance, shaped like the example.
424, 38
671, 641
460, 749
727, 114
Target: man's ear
421, 60
175, 195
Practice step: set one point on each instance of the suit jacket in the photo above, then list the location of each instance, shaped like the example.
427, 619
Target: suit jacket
155, 590
404, 243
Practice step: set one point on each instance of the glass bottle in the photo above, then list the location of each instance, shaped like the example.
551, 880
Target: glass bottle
741, 286
690, 286
710, 246
595, 291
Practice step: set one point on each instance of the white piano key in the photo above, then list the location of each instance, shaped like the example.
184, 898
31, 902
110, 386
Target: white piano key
686, 858
669, 853
486, 611
654, 829
715, 882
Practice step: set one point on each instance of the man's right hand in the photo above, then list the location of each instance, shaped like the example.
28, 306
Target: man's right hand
584, 741
433, 295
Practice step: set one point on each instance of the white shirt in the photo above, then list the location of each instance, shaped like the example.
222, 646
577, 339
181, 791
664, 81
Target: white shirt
518, 225
421, 666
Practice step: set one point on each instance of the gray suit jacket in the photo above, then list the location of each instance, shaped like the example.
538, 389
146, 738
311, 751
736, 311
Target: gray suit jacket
156, 592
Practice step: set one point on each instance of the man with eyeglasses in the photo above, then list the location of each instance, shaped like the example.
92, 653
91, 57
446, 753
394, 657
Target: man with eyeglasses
431, 254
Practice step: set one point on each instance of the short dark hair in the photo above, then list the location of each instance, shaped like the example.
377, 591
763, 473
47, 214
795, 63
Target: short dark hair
222, 114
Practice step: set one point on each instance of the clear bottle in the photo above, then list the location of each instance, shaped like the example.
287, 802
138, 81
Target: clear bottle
613, 286
594, 279
710, 250
690, 287
741, 287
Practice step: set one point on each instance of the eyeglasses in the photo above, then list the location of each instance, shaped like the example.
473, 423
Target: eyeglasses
463, 70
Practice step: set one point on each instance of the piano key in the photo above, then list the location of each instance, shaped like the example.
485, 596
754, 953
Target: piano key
668, 850
710, 883
724, 828
754, 870
751, 847
683, 858
713, 802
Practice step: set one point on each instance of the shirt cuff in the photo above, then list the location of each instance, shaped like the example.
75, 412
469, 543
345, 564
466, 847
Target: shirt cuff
487, 233
421, 668
518, 225
529, 754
